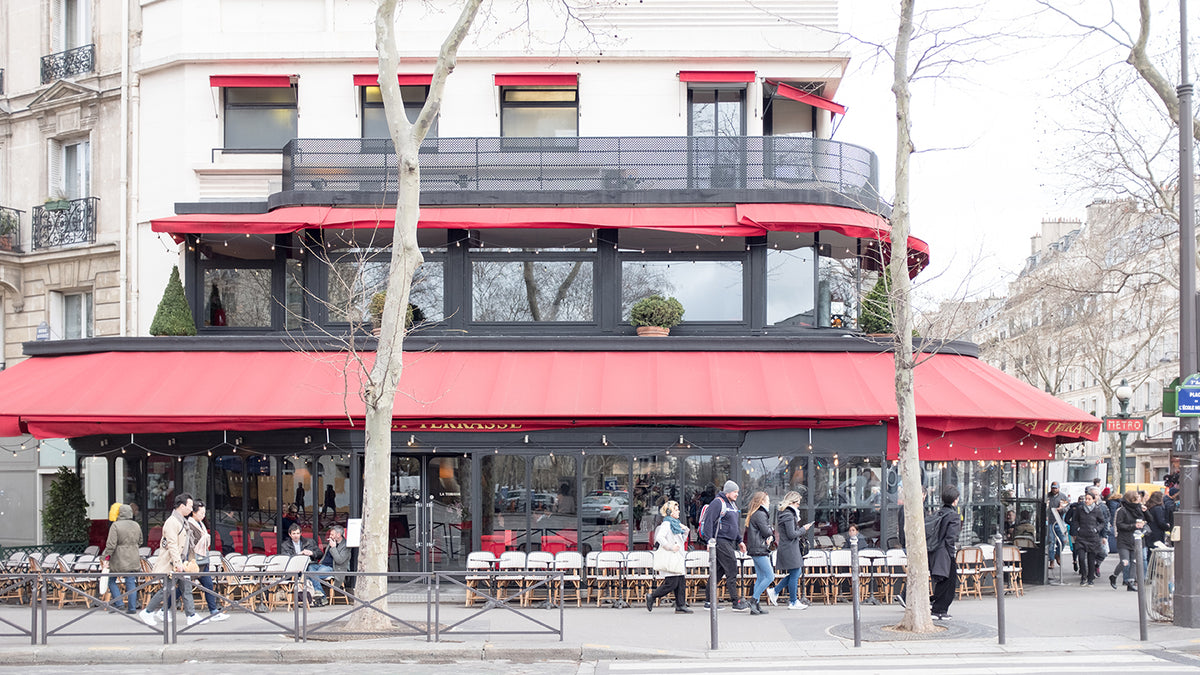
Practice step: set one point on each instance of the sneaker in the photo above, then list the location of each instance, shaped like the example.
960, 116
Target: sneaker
900, 601
218, 616
1083, 582
195, 619
147, 618
741, 606
797, 605
683, 610
160, 614
772, 595
1132, 588
719, 606
1112, 581
1091, 583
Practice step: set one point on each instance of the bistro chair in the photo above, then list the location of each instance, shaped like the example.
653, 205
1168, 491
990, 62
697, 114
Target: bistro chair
1010, 565
614, 541
897, 573
570, 563
537, 561
839, 573
968, 563
608, 570
639, 575
817, 582
695, 564
511, 564
477, 561
71, 589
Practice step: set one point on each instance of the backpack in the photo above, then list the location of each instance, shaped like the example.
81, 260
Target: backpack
705, 535
933, 530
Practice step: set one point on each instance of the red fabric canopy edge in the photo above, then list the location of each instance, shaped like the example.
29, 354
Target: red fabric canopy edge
788, 91
250, 80
716, 76
536, 79
372, 79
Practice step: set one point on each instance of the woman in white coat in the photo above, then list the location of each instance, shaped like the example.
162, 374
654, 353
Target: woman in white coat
671, 536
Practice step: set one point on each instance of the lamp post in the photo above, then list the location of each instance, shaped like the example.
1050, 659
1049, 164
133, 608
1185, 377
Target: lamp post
1123, 393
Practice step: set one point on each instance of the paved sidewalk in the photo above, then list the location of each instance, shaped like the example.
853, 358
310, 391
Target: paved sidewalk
1048, 619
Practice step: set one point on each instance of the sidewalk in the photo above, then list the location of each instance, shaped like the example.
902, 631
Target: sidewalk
1048, 619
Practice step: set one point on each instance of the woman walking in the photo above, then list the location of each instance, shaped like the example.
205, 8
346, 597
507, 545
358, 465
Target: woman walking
1129, 517
671, 536
121, 560
200, 541
788, 557
1090, 528
758, 542
1156, 519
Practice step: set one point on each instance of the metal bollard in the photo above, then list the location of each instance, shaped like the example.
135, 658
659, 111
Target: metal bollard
712, 593
998, 563
854, 589
1140, 576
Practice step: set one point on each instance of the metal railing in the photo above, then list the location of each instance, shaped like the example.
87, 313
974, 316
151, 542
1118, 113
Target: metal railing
70, 62
1, 81
65, 223
258, 594
10, 231
463, 167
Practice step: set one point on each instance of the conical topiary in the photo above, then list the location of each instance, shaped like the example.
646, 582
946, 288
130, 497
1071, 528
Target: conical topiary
64, 517
174, 316
876, 308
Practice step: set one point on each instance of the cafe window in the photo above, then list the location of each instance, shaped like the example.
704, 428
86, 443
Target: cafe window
539, 111
260, 119
374, 118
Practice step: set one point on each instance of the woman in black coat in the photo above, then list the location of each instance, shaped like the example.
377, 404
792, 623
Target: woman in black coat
1156, 514
787, 556
1090, 526
758, 542
1130, 517
942, 567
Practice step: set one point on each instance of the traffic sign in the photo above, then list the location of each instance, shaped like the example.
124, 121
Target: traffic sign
1126, 425
1188, 402
1185, 443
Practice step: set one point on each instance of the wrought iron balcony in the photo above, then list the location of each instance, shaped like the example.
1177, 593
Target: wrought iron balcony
71, 62
10, 230
592, 170
65, 223
1, 81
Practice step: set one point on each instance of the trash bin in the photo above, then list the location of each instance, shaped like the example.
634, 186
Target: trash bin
1161, 582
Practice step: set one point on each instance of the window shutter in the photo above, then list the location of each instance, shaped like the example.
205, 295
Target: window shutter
58, 22
85, 168
54, 181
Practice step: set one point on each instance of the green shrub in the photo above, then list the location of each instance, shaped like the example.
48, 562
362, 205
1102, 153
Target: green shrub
64, 518
876, 314
656, 310
174, 316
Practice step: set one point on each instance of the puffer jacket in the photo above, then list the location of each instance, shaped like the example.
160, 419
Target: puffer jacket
790, 532
758, 531
124, 538
1125, 521
1090, 528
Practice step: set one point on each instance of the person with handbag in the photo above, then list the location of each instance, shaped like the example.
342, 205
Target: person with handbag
200, 541
671, 536
759, 536
173, 553
789, 557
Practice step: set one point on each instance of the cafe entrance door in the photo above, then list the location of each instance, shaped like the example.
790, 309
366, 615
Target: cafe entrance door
430, 519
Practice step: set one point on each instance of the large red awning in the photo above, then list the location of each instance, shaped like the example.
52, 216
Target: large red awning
741, 220
788, 91
163, 392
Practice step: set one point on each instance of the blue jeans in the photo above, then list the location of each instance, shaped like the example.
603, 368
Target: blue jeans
207, 582
314, 576
790, 582
764, 575
128, 599
1053, 541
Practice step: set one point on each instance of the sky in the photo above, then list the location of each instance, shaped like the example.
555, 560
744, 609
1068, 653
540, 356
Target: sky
990, 140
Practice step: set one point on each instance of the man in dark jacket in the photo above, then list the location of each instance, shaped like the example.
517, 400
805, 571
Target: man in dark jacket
122, 560
941, 556
721, 520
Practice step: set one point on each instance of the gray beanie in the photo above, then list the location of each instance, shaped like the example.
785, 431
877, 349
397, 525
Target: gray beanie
730, 486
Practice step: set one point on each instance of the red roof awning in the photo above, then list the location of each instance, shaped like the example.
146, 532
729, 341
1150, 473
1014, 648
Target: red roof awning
372, 79
742, 220
716, 76
537, 79
250, 80
163, 392
788, 91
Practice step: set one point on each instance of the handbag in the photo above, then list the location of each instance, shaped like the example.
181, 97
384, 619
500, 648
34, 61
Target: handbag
668, 562
190, 567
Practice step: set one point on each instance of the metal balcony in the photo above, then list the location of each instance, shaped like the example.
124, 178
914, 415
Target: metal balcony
1, 81
65, 223
590, 170
10, 230
71, 62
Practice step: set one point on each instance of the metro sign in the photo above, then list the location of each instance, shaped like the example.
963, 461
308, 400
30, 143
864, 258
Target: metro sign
1125, 425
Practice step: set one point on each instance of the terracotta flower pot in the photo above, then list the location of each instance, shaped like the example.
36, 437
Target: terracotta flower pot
653, 331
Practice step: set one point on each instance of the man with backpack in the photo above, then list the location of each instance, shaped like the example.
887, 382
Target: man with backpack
942, 544
719, 521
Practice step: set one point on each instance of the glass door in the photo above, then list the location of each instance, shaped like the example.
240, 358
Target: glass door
430, 524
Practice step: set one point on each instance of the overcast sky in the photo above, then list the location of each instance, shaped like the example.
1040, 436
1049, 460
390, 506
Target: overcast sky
978, 203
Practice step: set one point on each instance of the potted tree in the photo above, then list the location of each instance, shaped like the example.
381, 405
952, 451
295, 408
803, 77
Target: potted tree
412, 317
655, 316
64, 518
876, 316
174, 316
10, 229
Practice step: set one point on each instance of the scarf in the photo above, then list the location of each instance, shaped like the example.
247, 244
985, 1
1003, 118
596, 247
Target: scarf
676, 526
1089, 507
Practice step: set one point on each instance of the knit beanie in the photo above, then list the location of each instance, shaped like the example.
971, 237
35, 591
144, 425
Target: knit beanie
730, 486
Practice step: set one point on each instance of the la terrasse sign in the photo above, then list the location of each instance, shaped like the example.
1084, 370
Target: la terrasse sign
1128, 425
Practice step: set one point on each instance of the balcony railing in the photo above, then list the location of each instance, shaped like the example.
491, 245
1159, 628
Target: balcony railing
71, 62
10, 230
65, 223
597, 169
1, 81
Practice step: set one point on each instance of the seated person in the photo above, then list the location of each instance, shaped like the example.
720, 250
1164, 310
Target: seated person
1024, 530
336, 559
291, 518
295, 544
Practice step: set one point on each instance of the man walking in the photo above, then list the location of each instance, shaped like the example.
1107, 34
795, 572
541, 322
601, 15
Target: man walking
1056, 505
941, 555
175, 549
721, 523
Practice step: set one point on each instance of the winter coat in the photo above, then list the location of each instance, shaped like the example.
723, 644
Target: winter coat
1157, 521
788, 557
941, 556
758, 531
670, 541
288, 547
199, 540
124, 538
174, 548
721, 520
1090, 528
337, 556
1125, 523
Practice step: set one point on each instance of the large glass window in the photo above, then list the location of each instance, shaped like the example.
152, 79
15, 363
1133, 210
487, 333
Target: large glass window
790, 275
356, 276
374, 120
703, 476
539, 111
837, 287
530, 290
717, 112
710, 290
260, 118
552, 502
655, 482
605, 505
225, 513
847, 491
239, 297
508, 516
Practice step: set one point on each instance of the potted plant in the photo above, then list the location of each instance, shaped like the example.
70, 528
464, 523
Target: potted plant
64, 518
174, 315
10, 229
57, 202
876, 316
655, 316
412, 317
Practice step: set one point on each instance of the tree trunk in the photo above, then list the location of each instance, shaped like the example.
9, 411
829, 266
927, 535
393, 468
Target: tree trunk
917, 617
379, 391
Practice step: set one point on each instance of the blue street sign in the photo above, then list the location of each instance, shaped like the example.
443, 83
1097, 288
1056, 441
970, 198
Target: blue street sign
1188, 401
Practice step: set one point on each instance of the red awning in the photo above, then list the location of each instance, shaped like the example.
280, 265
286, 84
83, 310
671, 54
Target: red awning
742, 220
716, 76
537, 79
250, 80
788, 91
372, 79
163, 392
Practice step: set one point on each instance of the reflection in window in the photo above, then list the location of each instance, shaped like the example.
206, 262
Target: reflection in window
655, 482
238, 297
837, 292
604, 507
552, 501
259, 118
710, 290
354, 281
790, 297
333, 491
703, 476
531, 290
506, 503
776, 476
374, 119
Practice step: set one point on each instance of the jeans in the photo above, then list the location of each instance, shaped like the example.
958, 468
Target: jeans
790, 582
1125, 566
314, 576
764, 574
207, 582
1054, 542
127, 600
189, 605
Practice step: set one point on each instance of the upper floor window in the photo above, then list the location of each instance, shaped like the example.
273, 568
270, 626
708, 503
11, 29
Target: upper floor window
539, 104
714, 111
71, 315
70, 24
414, 89
260, 111
69, 175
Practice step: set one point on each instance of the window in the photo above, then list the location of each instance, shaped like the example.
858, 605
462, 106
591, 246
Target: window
259, 119
70, 169
71, 315
710, 290
374, 121
71, 24
717, 111
539, 111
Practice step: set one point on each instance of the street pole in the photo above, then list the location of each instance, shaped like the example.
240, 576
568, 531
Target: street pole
1124, 414
1186, 602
